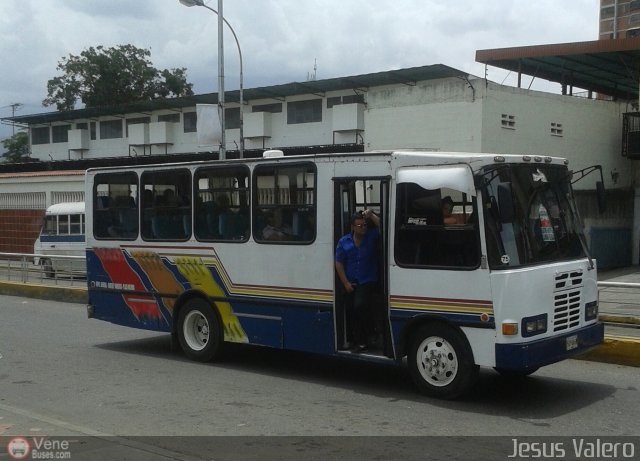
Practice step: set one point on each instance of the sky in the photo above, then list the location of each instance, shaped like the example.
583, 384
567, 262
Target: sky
282, 41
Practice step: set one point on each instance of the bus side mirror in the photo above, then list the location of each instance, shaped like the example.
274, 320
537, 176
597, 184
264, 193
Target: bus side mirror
505, 198
602, 197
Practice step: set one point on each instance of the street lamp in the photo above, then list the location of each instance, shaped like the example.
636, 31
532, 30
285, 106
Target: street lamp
221, 20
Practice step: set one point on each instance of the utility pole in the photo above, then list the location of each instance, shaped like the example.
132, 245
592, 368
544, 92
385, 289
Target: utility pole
14, 107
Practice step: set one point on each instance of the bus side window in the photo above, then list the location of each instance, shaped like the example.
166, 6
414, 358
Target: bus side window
434, 228
166, 204
115, 214
284, 204
222, 203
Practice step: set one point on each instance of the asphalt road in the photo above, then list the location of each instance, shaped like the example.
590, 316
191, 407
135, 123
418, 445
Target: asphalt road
64, 375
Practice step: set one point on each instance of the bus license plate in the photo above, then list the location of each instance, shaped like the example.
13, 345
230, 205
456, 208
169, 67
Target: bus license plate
572, 342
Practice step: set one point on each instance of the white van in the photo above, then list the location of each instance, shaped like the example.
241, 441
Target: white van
62, 234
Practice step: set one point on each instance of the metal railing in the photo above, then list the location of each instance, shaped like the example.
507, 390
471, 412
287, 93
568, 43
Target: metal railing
43, 268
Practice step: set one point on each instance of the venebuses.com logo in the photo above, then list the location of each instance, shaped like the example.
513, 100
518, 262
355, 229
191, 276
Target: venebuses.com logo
18, 448
38, 448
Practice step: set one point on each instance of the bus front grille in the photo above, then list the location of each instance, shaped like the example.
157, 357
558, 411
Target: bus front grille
567, 300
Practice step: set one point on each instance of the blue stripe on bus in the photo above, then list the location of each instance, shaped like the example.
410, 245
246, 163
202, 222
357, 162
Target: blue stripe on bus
62, 238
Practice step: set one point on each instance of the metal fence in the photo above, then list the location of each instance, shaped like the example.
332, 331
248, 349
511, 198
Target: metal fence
43, 269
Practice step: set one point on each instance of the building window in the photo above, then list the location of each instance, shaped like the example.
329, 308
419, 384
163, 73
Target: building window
111, 129
170, 118
87, 126
232, 118
40, 135
308, 111
508, 121
606, 12
556, 129
190, 122
634, 5
274, 108
136, 121
60, 133
349, 99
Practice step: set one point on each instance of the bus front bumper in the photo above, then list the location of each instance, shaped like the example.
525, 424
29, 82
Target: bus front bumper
534, 354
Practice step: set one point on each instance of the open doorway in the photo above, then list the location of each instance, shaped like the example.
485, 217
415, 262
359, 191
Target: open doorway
351, 195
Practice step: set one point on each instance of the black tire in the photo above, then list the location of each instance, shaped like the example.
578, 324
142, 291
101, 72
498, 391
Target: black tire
47, 268
441, 361
199, 330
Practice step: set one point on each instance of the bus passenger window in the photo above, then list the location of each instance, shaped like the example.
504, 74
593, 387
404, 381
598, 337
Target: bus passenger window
284, 204
115, 214
435, 228
166, 205
222, 204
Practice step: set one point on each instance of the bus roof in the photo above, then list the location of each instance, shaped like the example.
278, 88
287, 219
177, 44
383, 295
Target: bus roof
65, 208
476, 160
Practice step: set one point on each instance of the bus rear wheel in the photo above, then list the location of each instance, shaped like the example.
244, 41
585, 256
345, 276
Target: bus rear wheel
199, 330
441, 362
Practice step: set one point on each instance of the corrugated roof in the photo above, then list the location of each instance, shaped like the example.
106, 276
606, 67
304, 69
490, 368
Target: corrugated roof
608, 67
277, 92
30, 174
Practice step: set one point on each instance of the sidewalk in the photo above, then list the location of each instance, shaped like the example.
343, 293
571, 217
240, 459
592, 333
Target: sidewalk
620, 309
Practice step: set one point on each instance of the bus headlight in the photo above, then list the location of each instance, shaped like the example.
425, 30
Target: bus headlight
532, 326
591, 310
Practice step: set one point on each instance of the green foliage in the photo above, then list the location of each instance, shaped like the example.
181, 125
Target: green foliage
111, 76
17, 147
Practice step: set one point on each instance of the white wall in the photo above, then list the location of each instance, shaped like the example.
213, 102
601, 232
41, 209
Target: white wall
436, 115
592, 131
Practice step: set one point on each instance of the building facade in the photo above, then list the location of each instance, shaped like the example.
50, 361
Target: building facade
619, 19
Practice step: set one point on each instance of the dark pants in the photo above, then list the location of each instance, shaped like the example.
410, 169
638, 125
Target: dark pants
360, 315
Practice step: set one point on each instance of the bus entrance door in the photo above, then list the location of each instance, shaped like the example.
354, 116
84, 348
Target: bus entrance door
352, 195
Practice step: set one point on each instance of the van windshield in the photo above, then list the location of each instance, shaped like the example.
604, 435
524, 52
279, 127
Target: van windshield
50, 225
530, 215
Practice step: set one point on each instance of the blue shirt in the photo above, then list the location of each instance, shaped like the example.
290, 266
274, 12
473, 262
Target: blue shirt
360, 263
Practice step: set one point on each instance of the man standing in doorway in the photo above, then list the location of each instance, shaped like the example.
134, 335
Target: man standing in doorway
357, 269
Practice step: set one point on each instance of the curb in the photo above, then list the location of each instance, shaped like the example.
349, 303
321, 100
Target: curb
53, 293
626, 319
620, 350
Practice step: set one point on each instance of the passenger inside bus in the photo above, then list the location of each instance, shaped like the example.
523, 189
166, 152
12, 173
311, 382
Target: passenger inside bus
275, 229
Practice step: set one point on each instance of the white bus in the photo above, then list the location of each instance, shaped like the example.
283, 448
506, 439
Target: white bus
506, 282
62, 234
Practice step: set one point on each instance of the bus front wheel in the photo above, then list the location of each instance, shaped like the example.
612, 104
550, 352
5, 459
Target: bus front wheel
199, 330
441, 362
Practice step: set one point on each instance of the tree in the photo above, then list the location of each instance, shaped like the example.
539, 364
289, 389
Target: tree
110, 76
17, 147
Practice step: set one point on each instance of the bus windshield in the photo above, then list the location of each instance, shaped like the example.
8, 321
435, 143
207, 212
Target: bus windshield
530, 215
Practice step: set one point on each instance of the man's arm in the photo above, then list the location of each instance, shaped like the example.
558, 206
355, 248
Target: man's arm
343, 277
370, 215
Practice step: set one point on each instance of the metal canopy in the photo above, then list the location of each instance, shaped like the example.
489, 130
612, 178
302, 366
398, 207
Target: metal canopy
408, 76
610, 67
